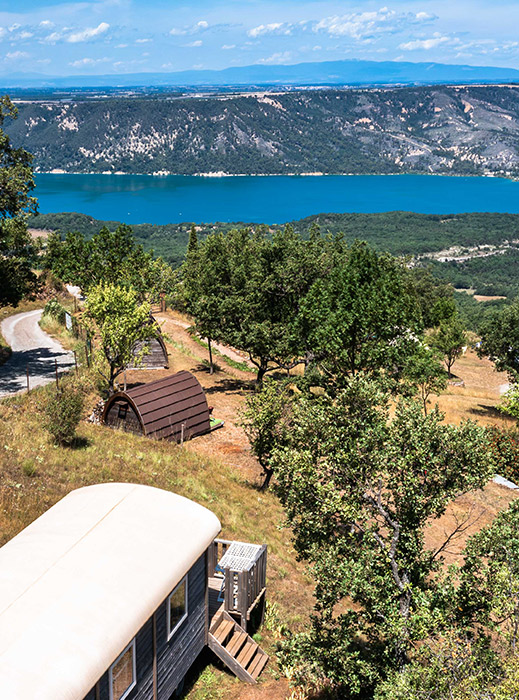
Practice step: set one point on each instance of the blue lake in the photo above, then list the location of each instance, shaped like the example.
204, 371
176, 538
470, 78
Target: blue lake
138, 199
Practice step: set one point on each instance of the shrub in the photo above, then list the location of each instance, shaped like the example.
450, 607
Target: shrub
54, 309
505, 448
62, 414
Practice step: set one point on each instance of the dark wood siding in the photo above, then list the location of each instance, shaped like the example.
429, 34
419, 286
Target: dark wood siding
175, 657
122, 416
169, 408
155, 358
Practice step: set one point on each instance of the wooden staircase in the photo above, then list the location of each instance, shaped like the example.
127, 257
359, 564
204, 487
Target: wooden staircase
235, 648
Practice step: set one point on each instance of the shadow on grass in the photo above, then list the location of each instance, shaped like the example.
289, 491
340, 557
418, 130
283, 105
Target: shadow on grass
78, 443
486, 411
237, 386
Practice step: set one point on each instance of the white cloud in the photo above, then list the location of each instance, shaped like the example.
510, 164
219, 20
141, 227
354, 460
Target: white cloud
427, 44
16, 55
121, 46
228, 47
194, 44
23, 35
88, 33
276, 58
142, 41
46, 24
14, 27
53, 38
85, 62
358, 25
272, 28
201, 26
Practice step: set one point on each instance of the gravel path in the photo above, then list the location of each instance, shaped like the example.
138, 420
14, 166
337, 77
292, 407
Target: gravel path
32, 348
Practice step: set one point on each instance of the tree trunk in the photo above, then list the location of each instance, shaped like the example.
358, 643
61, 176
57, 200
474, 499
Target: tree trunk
211, 368
262, 369
268, 476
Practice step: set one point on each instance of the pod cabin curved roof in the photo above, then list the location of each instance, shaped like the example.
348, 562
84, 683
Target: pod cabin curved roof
166, 404
79, 582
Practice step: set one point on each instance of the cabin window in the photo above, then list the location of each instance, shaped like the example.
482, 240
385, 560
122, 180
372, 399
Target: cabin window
177, 607
123, 410
122, 675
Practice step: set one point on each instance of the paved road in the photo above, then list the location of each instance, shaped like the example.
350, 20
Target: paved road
31, 348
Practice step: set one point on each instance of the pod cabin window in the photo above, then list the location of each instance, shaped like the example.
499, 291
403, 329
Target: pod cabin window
177, 607
122, 676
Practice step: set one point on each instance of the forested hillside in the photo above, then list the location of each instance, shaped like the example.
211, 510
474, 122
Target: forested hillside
461, 237
463, 130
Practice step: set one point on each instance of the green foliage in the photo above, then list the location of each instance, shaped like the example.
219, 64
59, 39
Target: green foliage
62, 413
266, 421
510, 403
505, 448
500, 340
16, 183
450, 339
424, 373
56, 310
489, 578
121, 322
358, 489
456, 666
364, 315
109, 257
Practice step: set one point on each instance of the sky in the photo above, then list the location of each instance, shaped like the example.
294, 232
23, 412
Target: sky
133, 36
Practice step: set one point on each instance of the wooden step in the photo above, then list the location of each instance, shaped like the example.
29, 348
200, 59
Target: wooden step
236, 649
223, 631
258, 664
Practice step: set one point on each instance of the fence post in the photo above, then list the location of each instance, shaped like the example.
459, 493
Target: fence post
75, 362
28, 387
56, 370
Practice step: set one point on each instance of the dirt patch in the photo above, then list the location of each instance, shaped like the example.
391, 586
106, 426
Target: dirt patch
39, 232
482, 297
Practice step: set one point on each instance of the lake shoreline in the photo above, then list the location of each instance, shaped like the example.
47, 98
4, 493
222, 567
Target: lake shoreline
222, 174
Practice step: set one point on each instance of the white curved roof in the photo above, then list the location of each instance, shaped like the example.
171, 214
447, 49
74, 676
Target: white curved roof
81, 580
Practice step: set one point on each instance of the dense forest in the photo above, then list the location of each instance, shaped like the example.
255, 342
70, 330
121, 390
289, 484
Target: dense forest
462, 130
399, 233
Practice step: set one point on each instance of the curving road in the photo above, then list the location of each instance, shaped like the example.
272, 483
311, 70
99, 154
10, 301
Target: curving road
32, 348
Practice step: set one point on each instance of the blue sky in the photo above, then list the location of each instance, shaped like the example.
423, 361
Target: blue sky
129, 36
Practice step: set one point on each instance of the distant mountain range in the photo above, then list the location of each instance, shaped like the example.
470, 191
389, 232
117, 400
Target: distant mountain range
427, 129
332, 73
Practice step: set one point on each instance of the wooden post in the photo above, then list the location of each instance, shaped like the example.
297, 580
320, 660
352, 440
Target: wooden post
125, 380
28, 387
182, 434
75, 362
56, 370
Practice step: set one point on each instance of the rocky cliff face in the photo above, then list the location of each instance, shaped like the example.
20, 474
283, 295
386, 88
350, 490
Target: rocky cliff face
462, 130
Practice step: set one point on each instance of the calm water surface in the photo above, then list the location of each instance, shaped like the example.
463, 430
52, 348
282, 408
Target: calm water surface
138, 199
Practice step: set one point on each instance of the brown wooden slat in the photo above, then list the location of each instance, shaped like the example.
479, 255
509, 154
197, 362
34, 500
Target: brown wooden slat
236, 642
258, 664
223, 630
247, 653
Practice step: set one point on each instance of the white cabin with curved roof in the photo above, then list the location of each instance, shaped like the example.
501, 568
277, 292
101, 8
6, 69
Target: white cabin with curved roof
106, 597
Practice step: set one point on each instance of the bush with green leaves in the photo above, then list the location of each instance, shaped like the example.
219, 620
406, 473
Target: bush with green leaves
56, 310
62, 413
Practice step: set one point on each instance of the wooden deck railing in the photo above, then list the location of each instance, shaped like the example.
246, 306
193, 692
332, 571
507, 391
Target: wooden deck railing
243, 589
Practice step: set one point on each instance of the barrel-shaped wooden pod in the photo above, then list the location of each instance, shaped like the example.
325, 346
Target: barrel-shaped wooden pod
156, 355
172, 408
